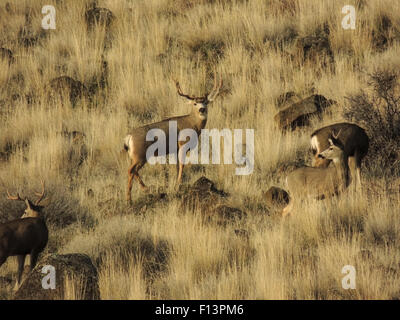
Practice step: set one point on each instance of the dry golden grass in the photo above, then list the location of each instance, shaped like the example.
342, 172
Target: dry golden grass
165, 253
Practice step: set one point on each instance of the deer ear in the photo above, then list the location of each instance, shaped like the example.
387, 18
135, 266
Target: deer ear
28, 204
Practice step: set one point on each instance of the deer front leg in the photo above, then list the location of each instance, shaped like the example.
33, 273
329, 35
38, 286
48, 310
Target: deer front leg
180, 170
21, 263
181, 164
34, 258
130, 180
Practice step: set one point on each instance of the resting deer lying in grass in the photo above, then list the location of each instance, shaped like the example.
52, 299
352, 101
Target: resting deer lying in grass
320, 182
27, 235
352, 137
136, 145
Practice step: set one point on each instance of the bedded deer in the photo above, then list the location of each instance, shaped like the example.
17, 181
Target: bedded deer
26, 235
354, 140
320, 182
136, 145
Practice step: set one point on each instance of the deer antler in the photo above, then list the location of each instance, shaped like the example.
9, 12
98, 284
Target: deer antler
17, 197
215, 90
40, 195
180, 92
336, 136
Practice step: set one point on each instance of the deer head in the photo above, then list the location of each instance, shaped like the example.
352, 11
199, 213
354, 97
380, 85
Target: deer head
200, 104
335, 149
33, 210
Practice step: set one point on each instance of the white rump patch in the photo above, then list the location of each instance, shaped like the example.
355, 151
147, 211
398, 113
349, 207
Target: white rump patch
128, 141
315, 144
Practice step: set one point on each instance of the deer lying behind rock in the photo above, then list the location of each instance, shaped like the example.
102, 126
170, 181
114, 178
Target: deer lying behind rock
27, 235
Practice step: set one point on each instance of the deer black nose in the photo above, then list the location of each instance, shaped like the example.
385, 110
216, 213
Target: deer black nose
202, 110
321, 156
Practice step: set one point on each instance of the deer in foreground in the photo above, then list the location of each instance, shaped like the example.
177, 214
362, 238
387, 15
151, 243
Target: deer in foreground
320, 182
26, 235
354, 140
136, 145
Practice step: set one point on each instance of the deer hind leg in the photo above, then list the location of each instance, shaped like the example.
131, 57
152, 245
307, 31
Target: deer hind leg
2, 260
130, 180
353, 169
181, 164
358, 166
137, 177
355, 166
34, 258
21, 263
133, 174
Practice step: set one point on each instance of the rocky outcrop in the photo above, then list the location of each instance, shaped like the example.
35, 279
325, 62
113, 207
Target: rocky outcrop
75, 278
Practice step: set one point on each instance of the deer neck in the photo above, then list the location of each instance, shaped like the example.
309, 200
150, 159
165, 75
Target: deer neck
197, 122
342, 168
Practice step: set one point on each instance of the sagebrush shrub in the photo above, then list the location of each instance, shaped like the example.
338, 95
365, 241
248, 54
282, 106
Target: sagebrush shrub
378, 111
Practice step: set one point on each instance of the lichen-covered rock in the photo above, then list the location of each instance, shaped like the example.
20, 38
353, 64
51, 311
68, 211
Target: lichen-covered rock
98, 16
76, 278
202, 196
224, 214
298, 114
276, 198
315, 47
66, 87
286, 99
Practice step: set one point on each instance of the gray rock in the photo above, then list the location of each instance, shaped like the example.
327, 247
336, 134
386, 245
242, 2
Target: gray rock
77, 268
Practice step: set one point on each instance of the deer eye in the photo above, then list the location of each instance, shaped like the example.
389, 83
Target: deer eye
195, 104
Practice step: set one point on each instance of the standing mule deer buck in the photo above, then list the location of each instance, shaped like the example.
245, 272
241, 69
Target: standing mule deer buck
354, 140
26, 235
136, 145
320, 182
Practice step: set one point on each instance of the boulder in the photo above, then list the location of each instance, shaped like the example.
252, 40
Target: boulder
98, 16
298, 114
103, 18
6, 282
312, 48
202, 195
224, 214
286, 99
211, 202
76, 278
276, 198
65, 86
385, 33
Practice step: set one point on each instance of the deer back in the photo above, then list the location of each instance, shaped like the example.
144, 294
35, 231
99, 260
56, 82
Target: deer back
352, 137
314, 182
22, 236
